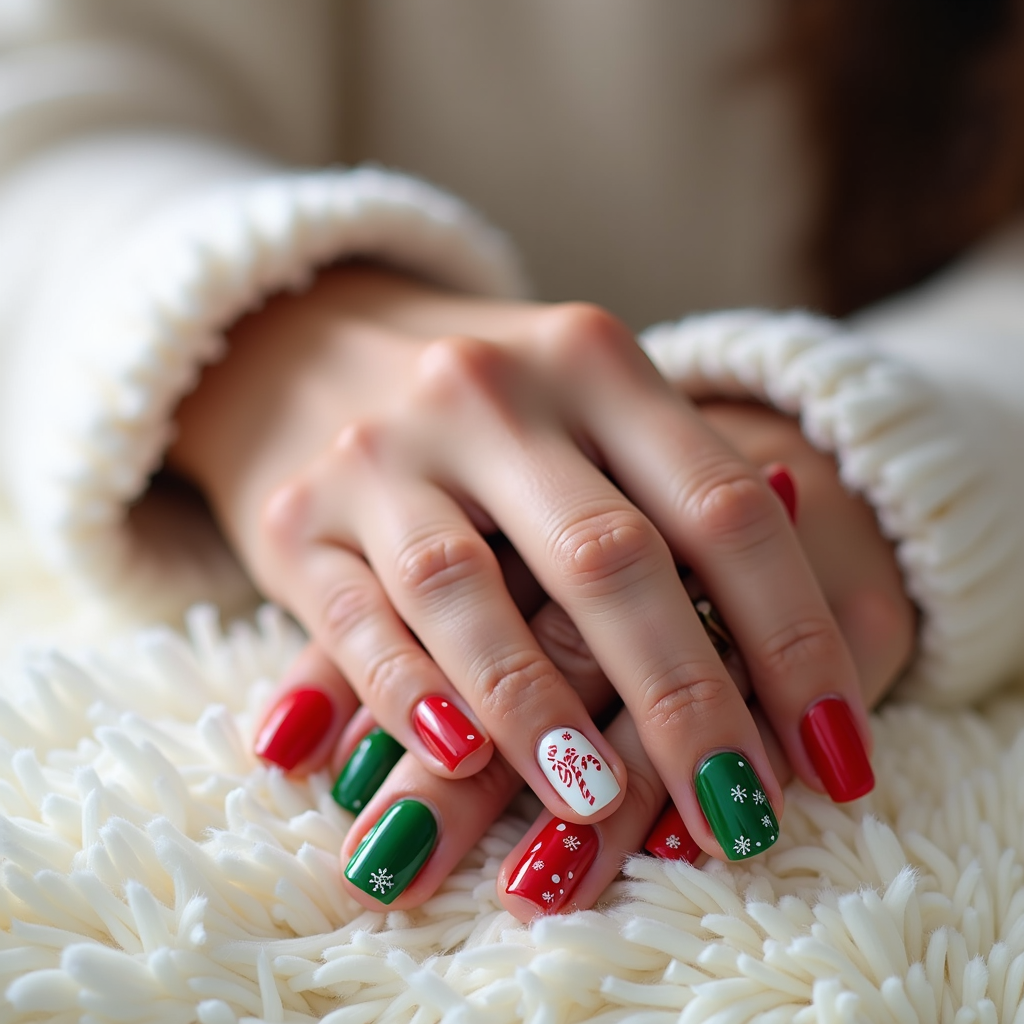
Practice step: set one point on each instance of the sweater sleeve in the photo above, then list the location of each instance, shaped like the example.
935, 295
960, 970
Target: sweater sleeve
145, 204
921, 401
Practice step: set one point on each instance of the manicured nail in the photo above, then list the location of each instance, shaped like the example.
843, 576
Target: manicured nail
295, 727
554, 865
670, 840
393, 851
576, 770
735, 804
781, 481
834, 746
375, 755
446, 732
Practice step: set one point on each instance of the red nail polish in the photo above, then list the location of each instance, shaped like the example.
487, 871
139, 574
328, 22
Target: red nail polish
781, 481
447, 733
554, 865
834, 746
295, 727
670, 839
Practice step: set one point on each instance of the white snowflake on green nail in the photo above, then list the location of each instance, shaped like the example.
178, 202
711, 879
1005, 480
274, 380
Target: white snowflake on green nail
739, 794
759, 797
742, 846
381, 880
766, 821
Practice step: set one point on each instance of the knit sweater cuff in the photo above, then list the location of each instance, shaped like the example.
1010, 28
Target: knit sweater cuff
153, 314
902, 447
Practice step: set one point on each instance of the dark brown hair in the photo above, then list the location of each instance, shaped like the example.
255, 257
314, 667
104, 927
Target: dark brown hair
914, 113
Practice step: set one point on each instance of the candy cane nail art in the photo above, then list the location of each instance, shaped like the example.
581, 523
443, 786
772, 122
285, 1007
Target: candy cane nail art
554, 865
576, 770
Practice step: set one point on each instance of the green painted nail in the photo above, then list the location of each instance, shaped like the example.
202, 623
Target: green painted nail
375, 756
393, 851
735, 804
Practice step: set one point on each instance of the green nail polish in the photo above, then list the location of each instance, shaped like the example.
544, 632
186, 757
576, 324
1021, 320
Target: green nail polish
375, 756
735, 804
393, 851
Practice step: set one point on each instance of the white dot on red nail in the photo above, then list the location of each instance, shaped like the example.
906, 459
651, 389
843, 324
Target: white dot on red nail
560, 828
470, 737
556, 878
561, 892
444, 703
569, 875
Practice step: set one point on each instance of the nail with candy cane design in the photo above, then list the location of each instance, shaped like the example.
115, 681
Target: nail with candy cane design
554, 865
576, 770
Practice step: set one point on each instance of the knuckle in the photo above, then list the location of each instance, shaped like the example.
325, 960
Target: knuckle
358, 442
515, 685
386, 676
439, 562
732, 509
286, 515
809, 641
685, 697
580, 330
604, 546
455, 368
346, 609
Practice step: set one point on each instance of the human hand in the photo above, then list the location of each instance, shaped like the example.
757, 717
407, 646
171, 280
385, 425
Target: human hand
357, 467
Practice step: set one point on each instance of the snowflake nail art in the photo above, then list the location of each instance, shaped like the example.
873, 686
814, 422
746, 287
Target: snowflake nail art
381, 880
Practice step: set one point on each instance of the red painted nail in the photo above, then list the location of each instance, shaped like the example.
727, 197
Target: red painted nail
554, 865
447, 733
781, 481
295, 727
670, 839
834, 746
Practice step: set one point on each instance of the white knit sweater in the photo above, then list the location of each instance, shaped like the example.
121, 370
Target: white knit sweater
148, 198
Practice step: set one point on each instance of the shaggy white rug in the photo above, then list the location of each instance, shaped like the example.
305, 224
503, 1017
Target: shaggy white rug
153, 871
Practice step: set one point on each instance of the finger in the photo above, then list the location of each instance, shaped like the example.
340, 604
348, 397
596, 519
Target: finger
606, 564
306, 714
720, 516
445, 582
339, 599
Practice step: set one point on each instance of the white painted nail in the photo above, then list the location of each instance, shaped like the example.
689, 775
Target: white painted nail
576, 770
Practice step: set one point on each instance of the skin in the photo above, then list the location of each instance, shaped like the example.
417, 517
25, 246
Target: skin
361, 439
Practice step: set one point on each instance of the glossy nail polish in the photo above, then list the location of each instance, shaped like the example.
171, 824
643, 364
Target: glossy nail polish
670, 840
446, 732
554, 865
833, 744
374, 757
781, 481
576, 770
393, 851
295, 727
735, 805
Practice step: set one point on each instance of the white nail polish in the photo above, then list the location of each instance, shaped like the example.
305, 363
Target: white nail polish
576, 770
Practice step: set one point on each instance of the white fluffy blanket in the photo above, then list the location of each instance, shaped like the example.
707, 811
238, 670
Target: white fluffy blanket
153, 871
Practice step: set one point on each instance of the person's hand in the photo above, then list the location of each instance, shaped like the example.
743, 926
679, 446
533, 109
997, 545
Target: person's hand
858, 572
359, 441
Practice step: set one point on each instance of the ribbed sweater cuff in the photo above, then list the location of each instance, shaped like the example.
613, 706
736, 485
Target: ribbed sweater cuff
899, 445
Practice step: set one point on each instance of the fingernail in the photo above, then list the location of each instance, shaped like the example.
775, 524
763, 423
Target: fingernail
670, 839
781, 481
576, 770
295, 727
834, 746
446, 732
554, 865
393, 851
375, 755
736, 806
